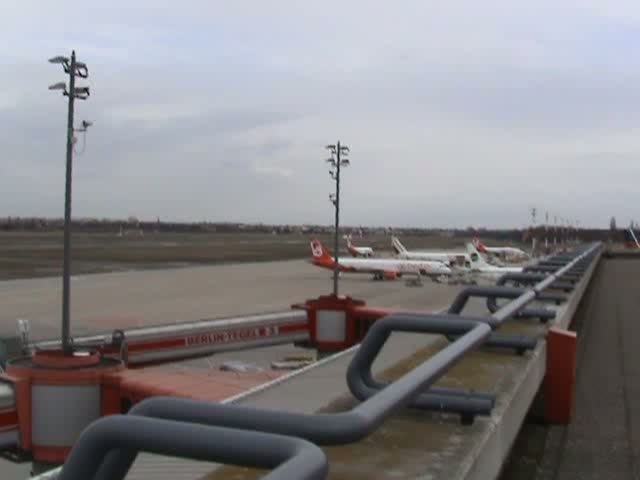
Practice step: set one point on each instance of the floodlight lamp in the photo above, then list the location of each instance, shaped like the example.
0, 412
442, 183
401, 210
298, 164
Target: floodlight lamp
58, 86
331, 147
59, 59
345, 162
81, 90
86, 124
82, 73
344, 149
81, 70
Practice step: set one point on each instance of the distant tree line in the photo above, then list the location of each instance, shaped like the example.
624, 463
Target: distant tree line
104, 225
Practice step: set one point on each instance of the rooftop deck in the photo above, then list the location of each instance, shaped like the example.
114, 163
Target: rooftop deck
413, 444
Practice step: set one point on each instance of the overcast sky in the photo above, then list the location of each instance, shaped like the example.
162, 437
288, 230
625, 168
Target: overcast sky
457, 113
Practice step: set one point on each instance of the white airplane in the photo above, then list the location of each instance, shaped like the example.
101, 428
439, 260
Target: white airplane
508, 253
480, 266
458, 260
358, 251
381, 268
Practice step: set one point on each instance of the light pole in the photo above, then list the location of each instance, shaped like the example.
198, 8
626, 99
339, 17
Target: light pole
533, 231
73, 68
572, 230
546, 232
336, 161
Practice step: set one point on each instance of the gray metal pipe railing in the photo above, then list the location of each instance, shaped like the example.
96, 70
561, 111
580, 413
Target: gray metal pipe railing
544, 314
531, 278
518, 343
540, 268
515, 342
323, 429
288, 457
363, 385
463, 402
561, 272
112, 459
492, 293
516, 307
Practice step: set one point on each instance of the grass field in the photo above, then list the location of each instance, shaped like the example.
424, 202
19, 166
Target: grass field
28, 255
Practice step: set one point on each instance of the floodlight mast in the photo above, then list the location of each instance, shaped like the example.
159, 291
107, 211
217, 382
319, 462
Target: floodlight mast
73, 69
336, 163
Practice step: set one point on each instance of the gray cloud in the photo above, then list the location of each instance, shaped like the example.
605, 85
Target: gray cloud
456, 114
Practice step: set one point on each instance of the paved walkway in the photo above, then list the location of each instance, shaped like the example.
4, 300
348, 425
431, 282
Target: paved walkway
603, 441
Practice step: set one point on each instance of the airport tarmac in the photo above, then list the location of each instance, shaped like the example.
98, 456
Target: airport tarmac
102, 302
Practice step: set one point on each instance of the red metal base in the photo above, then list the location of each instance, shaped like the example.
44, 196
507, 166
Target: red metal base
359, 318
560, 379
55, 370
58, 359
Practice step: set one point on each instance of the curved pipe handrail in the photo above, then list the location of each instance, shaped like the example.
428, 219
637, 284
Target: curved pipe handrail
324, 428
494, 292
526, 278
363, 385
288, 457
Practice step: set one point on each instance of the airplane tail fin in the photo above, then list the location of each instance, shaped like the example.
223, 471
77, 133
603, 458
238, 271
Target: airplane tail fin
397, 246
319, 253
630, 238
479, 245
474, 255
348, 239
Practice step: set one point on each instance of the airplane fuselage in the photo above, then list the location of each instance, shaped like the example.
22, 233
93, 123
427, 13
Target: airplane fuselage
373, 265
381, 267
506, 251
451, 259
360, 251
448, 258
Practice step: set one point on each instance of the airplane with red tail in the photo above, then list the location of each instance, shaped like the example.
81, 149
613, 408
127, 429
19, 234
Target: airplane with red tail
507, 253
358, 251
630, 239
381, 268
